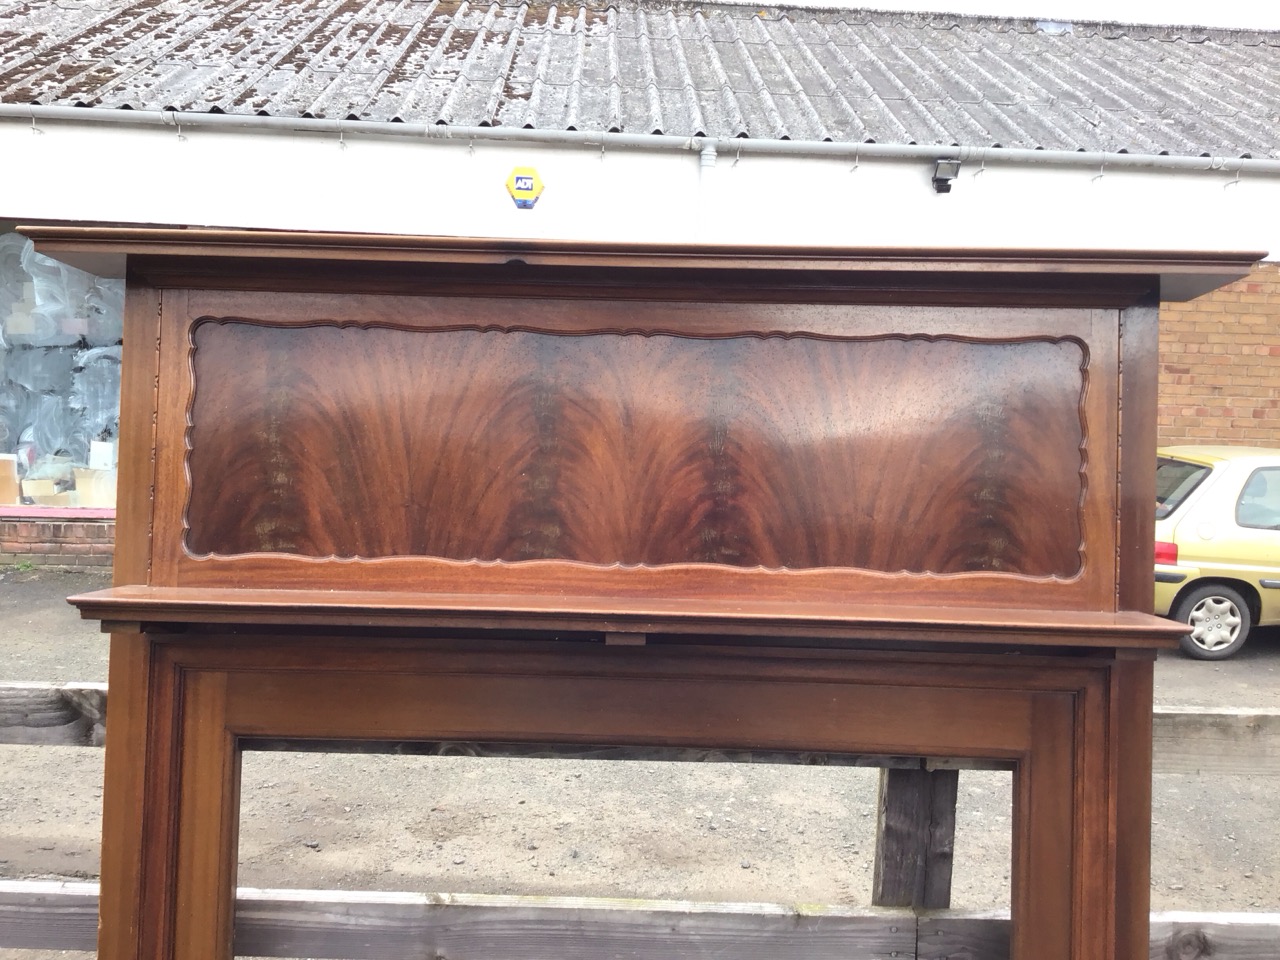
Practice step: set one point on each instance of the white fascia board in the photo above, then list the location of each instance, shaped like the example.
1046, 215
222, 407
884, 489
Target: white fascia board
86, 172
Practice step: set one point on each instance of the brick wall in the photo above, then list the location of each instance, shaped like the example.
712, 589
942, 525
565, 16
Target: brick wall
56, 543
1220, 364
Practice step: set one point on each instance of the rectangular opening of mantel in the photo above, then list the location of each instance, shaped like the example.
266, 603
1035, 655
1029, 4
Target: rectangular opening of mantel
939, 454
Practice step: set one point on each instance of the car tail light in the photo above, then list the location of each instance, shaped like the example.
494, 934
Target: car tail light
1166, 552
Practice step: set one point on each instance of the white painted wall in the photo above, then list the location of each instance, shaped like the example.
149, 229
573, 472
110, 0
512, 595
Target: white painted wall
78, 171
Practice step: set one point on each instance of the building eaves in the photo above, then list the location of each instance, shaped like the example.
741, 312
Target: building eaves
642, 66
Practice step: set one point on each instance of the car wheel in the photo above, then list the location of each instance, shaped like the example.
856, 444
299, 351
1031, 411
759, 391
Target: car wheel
1219, 620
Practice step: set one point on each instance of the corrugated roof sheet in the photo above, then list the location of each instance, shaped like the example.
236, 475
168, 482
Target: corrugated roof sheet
646, 67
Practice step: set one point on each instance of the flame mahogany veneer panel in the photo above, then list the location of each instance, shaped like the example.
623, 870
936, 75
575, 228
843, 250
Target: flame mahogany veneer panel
918, 454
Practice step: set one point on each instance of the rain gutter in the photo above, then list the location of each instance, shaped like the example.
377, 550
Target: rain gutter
35, 114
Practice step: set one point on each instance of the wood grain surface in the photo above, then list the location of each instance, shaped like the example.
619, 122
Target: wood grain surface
214, 690
1205, 741
139, 387
663, 619
354, 262
59, 915
915, 838
913, 454
401, 488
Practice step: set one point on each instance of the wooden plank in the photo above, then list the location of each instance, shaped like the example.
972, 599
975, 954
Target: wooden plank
374, 926
52, 915
1208, 740
393, 926
915, 838
963, 935
48, 915
1223, 936
590, 618
1217, 741
53, 714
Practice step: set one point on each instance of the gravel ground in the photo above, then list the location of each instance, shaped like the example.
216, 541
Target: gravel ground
732, 832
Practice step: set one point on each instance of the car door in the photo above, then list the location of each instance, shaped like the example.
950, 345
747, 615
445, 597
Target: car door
1239, 536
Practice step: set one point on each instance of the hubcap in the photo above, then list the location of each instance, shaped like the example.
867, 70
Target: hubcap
1215, 623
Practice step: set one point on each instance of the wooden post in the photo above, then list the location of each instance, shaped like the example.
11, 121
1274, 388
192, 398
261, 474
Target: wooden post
915, 838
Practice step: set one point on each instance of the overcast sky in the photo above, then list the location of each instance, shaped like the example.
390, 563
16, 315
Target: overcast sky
1256, 14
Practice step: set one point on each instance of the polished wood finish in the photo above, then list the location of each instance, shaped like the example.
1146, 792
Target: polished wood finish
245, 259
220, 689
1205, 741
639, 448
128, 813
595, 617
1132, 688
1137, 477
784, 453
863, 502
139, 383
208, 820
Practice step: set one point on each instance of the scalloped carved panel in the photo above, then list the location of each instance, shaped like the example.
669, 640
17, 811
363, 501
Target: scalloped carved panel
926, 455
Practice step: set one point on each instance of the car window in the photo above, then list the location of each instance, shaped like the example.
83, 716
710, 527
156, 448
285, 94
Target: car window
1259, 503
1175, 479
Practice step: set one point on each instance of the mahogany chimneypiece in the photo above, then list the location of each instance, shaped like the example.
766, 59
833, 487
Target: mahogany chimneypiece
867, 502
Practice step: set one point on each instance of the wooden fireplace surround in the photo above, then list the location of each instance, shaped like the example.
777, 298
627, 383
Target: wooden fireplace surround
410, 489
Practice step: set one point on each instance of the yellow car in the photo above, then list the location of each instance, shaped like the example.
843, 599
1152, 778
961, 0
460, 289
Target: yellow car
1218, 543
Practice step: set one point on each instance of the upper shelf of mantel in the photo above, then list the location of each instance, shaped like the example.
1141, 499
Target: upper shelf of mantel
204, 257
739, 618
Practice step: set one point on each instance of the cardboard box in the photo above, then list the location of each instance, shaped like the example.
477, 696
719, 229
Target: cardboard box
10, 490
95, 488
35, 489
